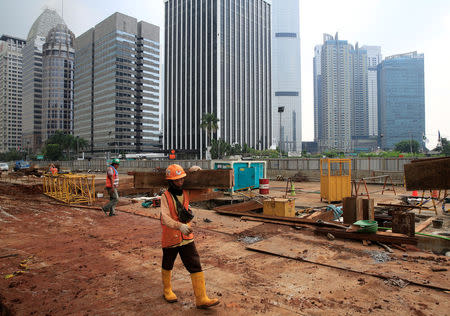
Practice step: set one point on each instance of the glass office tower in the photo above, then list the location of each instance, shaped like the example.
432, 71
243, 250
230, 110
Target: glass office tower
401, 99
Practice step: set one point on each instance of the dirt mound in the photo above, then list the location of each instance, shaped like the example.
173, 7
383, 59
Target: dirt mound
299, 177
15, 189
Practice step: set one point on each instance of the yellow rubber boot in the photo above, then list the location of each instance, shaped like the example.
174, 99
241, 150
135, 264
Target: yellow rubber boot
169, 296
201, 300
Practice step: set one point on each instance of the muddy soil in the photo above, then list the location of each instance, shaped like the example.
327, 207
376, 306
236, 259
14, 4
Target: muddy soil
77, 261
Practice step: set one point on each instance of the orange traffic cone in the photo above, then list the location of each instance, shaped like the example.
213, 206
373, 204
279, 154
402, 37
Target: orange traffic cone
415, 193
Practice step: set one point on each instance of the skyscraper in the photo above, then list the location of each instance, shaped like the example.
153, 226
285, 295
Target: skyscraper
360, 110
286, 83
337, 79
117, 86
401, 99
373, 59
32, 79
10, 92
317, 77
340, 95
217, 60
57, 82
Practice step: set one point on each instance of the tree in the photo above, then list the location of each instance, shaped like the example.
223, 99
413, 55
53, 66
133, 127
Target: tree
444, 147
12, 155
220, 148
406, 146
66, 143
209, 124
53, 152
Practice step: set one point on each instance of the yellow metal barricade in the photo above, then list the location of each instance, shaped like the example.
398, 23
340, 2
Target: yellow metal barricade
70, 188
335, 179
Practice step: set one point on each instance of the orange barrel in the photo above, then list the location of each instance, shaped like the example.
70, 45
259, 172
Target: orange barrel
263, 186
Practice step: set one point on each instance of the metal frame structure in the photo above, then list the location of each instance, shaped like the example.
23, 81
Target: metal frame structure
70, 188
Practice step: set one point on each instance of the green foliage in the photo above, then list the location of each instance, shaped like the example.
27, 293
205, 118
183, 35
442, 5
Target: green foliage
210, 124
67, 145
12, 155
445, 148
53, 152
408, 146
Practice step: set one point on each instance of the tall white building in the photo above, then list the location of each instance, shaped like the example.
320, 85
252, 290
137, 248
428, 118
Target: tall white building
10, 92
373, 59
217, 60
32, 78
286, 79
337, 78
317, 74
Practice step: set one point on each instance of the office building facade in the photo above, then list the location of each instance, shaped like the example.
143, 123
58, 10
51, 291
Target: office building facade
373, 59
401, 99
217, 60
340, 95
117, 86
337, 78
286, 76
32, 79
317, 84
57, 82
10, 92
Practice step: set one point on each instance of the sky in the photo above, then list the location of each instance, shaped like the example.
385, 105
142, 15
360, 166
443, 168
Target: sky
398, 26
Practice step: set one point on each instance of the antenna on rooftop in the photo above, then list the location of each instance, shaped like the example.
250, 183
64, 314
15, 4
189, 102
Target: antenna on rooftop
62, 9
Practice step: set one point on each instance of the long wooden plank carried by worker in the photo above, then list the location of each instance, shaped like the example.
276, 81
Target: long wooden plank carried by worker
202, 179
428, 174
378, 236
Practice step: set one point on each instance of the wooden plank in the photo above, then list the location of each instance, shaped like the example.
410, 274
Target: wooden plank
403, 223
294, 220
270, 221
424, 224
352, 209
349, 209
433, 174
323, 215
402, 206
379, 236
240, 207
201, 179
369, 209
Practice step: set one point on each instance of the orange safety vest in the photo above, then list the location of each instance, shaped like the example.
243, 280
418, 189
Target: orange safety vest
115, 178
170, 236
54, 171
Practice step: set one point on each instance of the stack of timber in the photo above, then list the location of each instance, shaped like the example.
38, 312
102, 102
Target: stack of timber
202, 179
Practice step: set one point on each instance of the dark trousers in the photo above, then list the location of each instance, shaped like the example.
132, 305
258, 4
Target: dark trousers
113, 200
188, 254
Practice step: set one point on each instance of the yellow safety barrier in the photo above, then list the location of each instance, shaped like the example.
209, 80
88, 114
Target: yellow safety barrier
70, 188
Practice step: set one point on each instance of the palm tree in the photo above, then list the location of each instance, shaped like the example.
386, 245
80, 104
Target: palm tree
209, 124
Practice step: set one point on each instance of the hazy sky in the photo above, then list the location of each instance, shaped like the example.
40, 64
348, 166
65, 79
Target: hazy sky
398, 26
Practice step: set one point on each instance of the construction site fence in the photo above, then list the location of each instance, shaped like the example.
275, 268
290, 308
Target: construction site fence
309, 167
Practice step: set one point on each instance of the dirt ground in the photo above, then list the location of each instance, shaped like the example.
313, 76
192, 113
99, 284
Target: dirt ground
77, 261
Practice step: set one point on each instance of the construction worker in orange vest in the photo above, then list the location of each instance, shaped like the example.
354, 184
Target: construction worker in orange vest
177, 237
112, 183
53, 170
